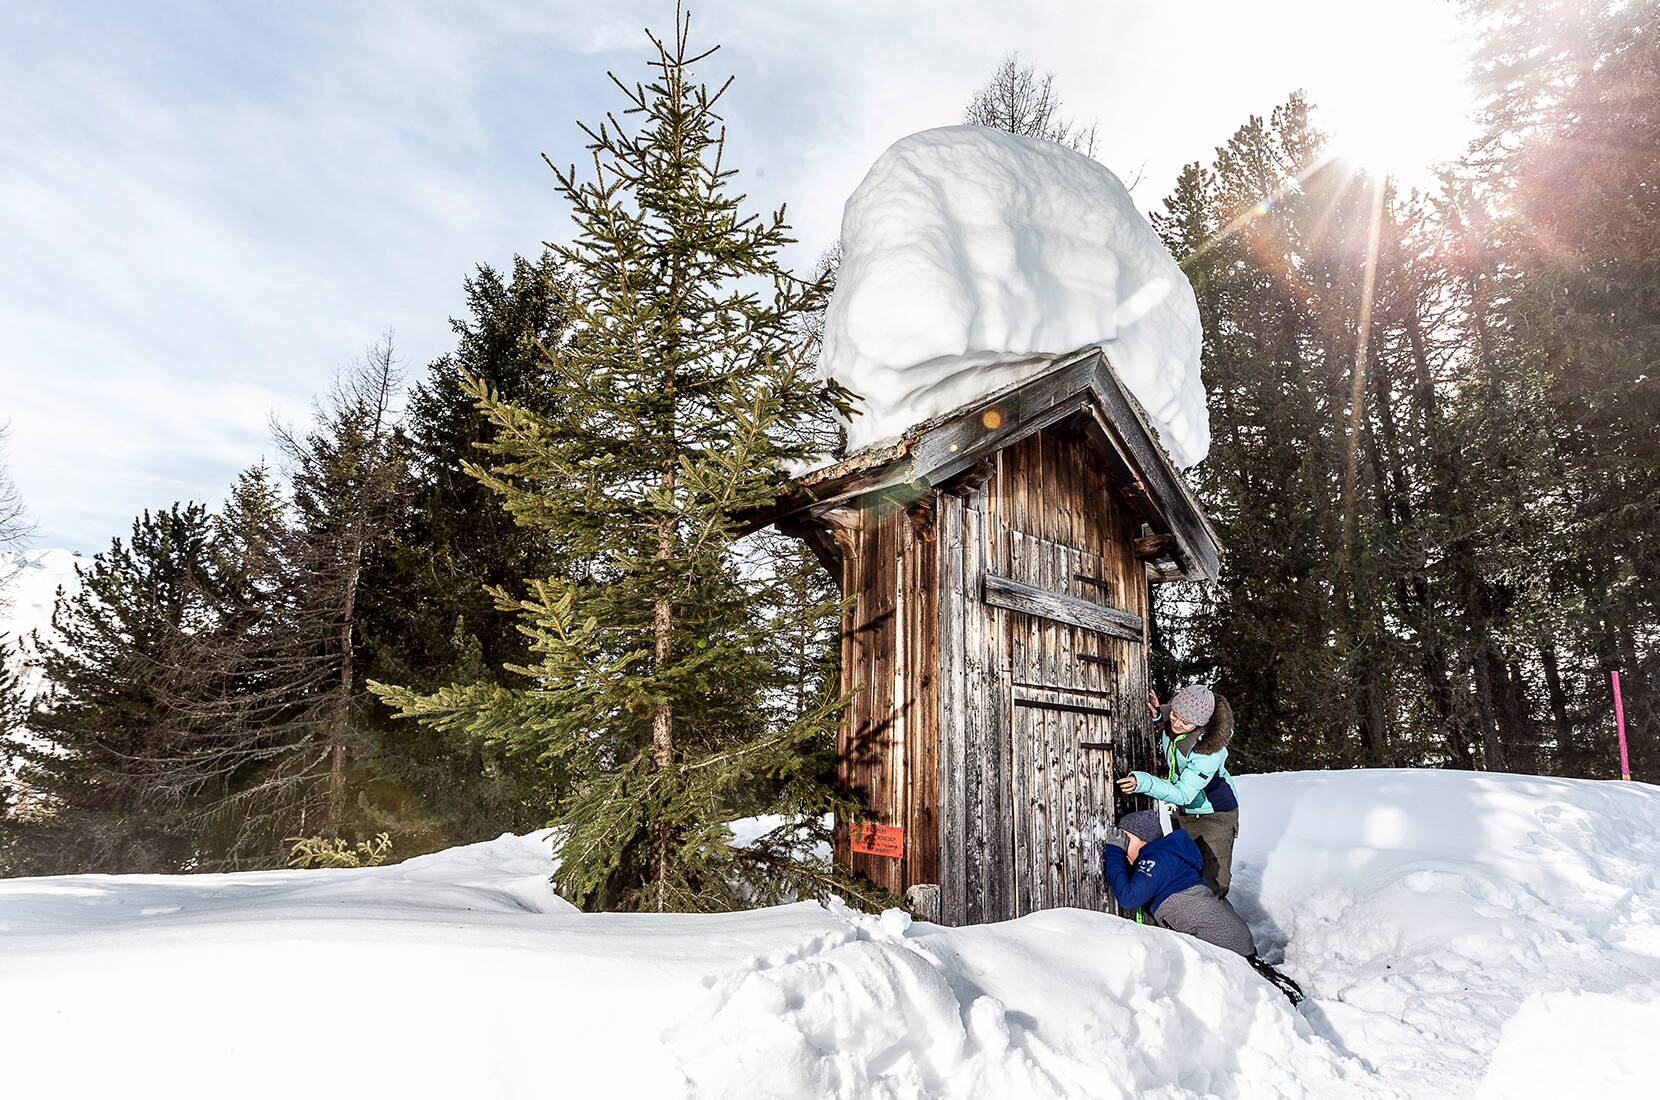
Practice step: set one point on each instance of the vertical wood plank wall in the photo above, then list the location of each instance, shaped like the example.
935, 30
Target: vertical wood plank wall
999, 801
888, 741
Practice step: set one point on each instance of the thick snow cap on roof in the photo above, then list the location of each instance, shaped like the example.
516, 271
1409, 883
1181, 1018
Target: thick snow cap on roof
971, 258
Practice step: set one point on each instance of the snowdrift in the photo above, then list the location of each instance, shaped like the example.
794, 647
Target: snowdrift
1457, 933
972, 258
1449, 922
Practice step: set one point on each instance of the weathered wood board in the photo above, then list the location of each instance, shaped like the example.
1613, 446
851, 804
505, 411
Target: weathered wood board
888, 742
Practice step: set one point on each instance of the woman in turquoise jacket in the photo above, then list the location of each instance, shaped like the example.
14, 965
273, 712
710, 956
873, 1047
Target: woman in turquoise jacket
1197, 726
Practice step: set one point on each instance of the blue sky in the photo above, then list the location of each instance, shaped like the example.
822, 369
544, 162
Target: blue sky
206, 209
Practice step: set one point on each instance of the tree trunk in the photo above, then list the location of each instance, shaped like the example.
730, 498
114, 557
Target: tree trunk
1492, 748
1374, 721
1569, 751
662, 721
343, 701
1359, 672
1521, 735
1445, 491
1357, 397
1453, 731
662, 714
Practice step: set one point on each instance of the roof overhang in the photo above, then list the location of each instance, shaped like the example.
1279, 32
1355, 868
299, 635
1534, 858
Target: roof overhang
1082, 387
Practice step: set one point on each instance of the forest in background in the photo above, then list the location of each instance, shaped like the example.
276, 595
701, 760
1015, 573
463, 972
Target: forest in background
1434, 461
1433, 468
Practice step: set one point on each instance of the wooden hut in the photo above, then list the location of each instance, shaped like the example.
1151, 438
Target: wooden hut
998, 558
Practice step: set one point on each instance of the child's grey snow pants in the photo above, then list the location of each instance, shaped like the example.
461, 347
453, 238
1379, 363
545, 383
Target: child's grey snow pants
1201, 914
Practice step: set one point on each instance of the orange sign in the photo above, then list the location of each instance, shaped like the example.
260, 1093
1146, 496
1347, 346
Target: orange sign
878, 840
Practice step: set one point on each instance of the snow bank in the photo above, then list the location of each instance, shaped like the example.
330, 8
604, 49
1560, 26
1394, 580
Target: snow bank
1062, 1003
1445, 921
1458, 935
971, 258
461, 974
504, 876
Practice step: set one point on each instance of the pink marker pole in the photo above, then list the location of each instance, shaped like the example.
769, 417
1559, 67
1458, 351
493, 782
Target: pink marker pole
1619, 724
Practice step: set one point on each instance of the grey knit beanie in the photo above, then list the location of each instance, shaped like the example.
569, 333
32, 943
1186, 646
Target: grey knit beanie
1142, 824
1194, 703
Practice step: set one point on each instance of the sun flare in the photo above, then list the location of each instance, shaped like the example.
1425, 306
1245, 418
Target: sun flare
1406, 104
1399, 134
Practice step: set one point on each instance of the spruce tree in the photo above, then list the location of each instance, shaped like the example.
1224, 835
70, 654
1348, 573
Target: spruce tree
427, 616
1276, 375
678, 390
279, 746
346, 474
425, 590
93, 791
263, 669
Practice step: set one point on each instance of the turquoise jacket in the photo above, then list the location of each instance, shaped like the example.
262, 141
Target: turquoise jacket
1196, 766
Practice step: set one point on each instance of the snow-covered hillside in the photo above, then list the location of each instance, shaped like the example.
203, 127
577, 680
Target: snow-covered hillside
1458, 934
29, 581
972, 259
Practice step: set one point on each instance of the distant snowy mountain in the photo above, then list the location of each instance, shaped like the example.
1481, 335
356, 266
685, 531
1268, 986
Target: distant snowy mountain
31, 582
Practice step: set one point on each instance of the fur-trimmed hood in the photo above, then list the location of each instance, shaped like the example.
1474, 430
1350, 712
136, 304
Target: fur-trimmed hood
1213, 736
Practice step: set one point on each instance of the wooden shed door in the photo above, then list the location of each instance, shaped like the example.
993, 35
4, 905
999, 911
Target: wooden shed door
1066, 645
1041, 670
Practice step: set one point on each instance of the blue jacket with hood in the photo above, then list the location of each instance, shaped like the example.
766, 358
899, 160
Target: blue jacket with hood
1165, 866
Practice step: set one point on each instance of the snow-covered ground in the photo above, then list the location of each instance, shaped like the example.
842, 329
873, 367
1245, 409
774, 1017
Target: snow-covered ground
1446, 922
972, 259
1458, 934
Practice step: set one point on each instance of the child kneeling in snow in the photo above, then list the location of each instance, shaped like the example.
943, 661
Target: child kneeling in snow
1166, 883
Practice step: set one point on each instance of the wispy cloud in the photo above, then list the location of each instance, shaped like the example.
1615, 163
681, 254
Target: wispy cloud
207, 208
